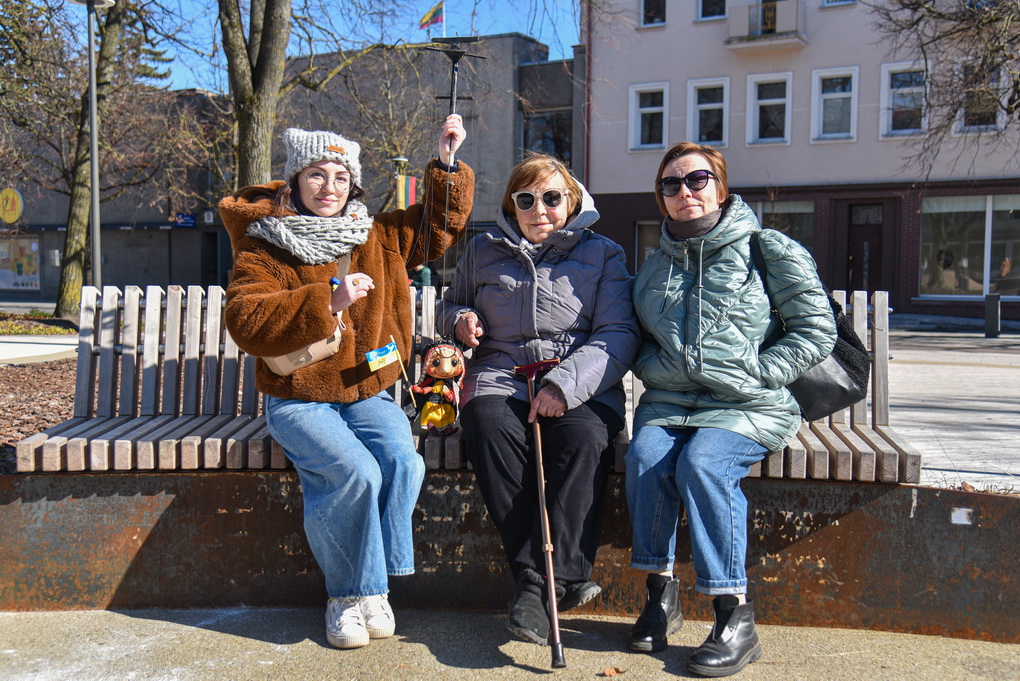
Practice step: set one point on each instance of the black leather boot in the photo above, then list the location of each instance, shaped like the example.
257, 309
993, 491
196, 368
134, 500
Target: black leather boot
660, 617
528, 617
733, 643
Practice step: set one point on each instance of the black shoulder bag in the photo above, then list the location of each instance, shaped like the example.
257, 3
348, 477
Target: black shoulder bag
838, 381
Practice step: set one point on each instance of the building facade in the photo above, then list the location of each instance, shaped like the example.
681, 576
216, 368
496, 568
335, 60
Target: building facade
818, 122
511, 96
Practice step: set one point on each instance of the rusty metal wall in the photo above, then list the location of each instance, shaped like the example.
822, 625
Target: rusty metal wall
894, 558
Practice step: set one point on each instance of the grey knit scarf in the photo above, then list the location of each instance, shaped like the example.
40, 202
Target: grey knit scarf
316, 240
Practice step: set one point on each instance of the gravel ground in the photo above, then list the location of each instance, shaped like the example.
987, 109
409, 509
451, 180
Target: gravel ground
33, 397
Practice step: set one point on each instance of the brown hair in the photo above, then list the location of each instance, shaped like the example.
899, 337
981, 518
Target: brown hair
535, 167
715, 159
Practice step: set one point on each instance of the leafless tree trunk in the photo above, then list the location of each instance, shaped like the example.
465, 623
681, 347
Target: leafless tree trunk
255, 66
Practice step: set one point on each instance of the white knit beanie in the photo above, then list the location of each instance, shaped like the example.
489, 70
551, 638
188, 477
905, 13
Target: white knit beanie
305, 148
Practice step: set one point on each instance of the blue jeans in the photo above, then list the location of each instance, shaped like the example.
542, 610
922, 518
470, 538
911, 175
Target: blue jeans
702, 467
360, 478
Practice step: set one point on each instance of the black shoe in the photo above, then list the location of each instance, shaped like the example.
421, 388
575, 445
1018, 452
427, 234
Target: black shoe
733, 643
528, 617
570, 595
660, 617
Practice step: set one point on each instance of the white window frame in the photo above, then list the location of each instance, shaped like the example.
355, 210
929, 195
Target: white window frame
641, 15
961, 129
714, 17
636, 113
888, 70
693, 108
753, 108
818, 99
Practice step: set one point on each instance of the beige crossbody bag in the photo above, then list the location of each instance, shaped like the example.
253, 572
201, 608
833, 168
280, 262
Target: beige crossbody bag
285, 365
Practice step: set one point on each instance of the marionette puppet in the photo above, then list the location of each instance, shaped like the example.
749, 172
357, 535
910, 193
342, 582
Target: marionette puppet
441, 383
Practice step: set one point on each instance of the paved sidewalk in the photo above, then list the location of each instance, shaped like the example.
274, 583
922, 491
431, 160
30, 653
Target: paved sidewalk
956, 398
289, 644
29, 349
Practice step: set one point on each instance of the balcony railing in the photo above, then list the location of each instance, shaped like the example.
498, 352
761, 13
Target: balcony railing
779, 24
761, 19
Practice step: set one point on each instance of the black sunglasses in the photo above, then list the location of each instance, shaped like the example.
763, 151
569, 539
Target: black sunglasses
526, 200
696, 180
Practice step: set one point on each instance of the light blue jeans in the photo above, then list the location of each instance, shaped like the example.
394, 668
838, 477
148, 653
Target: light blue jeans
702, 467
360, 479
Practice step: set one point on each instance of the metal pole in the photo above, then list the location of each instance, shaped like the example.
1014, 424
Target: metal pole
993, 316
455, 56
97, 256
97, 273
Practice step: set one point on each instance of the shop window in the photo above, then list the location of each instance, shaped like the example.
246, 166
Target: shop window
952, 245
19, 263
647, 233
1004, 277
795, 219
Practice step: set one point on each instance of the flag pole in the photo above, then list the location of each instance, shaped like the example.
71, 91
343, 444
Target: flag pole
400, 360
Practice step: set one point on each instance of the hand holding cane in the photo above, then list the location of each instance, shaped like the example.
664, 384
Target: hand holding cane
530, 371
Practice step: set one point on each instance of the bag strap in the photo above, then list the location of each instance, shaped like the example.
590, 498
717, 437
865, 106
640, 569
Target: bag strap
343, 266
758, 259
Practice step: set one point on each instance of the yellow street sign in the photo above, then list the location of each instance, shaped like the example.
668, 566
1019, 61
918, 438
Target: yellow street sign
11, 205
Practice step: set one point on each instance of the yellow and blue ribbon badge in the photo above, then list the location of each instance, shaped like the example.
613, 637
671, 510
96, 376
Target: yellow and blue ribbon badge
380, 357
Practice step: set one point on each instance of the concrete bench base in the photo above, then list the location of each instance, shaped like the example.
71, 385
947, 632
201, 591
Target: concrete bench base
870, 556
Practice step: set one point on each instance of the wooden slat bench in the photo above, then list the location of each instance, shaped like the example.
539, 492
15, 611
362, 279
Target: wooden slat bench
162, 386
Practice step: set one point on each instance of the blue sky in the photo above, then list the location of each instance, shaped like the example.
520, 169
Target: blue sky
552, 22
549, 21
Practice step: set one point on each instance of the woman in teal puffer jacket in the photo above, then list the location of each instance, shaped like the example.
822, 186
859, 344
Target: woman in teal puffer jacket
714, 401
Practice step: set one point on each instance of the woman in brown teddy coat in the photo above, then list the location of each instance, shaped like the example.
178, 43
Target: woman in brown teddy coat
311, 264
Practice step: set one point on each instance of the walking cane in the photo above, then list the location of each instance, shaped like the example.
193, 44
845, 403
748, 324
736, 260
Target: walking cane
530, 371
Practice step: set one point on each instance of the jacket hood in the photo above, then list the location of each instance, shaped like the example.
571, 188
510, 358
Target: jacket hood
507, 227
247, 205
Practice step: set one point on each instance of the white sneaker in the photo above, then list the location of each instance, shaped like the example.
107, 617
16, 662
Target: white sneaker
345, 623
378, 616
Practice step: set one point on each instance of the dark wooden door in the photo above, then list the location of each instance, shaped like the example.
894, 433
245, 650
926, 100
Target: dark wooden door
864, 248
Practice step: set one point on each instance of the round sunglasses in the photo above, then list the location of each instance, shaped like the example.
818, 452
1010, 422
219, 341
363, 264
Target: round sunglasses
696, 180
550, 198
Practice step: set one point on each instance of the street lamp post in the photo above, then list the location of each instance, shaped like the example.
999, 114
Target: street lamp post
92, 5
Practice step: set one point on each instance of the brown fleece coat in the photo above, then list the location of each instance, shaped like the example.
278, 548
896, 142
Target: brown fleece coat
277, 304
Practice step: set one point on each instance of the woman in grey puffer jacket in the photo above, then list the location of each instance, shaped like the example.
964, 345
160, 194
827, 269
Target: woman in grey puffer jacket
714, 401
542, 285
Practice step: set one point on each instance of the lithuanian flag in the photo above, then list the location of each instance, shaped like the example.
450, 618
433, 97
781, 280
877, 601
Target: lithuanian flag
407, 190
433, 16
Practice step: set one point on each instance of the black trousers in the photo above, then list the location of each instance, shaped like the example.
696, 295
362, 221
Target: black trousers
577, 452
